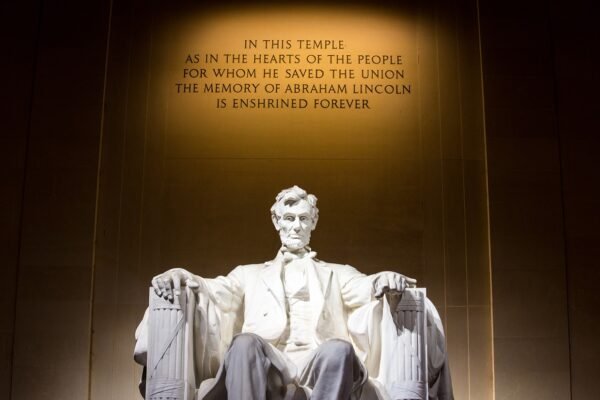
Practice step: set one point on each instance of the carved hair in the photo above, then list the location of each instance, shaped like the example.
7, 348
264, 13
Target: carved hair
291, 196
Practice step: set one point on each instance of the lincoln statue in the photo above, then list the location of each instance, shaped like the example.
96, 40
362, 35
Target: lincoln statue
297, 327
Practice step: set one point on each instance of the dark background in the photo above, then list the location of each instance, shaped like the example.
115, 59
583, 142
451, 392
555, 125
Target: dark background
540, 78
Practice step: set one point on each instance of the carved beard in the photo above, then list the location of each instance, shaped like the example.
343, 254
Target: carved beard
294, 244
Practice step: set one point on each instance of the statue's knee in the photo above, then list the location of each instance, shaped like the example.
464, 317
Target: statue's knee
336, 349
246, 349
245, 342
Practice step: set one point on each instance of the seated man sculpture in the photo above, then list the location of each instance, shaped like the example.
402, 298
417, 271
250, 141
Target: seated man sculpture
296, 327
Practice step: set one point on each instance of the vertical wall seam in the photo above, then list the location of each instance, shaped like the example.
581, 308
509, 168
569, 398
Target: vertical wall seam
124, 143
144, 158
96, 204
420, 131
464, 198
487, 198
441, 147
34, 69
561, 162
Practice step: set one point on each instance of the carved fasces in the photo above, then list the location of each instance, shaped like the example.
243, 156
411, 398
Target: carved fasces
409, 379
168, 368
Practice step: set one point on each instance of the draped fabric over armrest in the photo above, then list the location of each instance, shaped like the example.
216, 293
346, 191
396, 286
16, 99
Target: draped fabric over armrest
402, 343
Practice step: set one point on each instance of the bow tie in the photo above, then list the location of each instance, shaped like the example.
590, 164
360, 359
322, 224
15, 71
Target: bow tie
289, 257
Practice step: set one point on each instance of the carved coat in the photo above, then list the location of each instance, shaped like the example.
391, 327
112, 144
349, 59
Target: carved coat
251, 299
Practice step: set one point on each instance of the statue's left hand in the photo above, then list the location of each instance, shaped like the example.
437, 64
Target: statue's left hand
392, 283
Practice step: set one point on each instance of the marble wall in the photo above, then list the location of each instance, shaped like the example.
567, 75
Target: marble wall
102, 191
541, 131
50, 142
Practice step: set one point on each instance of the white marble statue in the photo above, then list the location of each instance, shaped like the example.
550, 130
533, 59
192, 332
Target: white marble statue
295, 327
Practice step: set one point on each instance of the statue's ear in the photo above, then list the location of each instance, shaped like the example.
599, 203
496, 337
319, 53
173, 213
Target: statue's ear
275, 219
315, 220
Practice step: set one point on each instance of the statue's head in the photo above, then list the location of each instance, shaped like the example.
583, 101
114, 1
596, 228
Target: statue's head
295, 216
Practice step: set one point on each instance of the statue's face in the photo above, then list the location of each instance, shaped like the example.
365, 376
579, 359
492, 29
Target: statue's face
295, 225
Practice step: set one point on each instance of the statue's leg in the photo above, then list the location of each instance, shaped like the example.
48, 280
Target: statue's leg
246, 368
334, 371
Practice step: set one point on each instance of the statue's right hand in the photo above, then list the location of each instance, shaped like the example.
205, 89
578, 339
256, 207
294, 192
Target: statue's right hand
169, 283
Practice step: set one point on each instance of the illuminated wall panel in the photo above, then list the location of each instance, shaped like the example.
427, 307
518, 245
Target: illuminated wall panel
182, 180
188, 179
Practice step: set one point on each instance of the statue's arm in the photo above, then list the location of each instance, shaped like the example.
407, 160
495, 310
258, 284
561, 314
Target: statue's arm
359, 289
226, 292
356, 287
